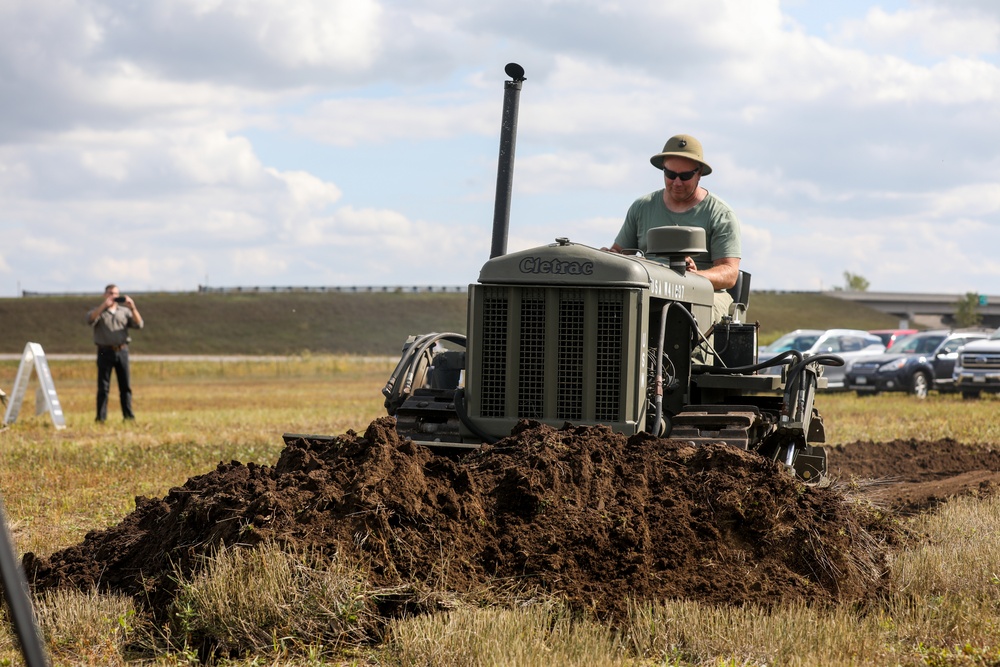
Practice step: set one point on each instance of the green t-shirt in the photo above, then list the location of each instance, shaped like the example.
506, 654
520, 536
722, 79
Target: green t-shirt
722, 228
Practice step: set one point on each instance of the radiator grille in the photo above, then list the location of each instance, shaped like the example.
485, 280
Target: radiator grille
609, 357
981, 360
561, 348
494, 346
531, 370
569, 401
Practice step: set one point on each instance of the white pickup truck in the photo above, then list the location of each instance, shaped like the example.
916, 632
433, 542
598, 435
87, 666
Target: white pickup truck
978, 367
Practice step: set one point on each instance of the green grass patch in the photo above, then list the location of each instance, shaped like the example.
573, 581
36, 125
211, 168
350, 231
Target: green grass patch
290, 323
300, 323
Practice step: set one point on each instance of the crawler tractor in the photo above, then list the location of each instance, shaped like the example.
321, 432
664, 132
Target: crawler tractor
566, 333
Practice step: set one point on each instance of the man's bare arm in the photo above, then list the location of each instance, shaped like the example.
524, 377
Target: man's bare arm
723, 272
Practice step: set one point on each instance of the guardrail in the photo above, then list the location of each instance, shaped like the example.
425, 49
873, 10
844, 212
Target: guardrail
269, 289
350, 289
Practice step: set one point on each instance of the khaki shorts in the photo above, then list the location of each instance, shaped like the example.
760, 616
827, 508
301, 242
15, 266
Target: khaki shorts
723, 300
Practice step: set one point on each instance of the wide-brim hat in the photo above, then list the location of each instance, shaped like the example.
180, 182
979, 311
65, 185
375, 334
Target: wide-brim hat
682, 145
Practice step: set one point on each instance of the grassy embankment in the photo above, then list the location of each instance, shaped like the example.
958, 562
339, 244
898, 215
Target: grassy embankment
282, 610
332, 323
290, 323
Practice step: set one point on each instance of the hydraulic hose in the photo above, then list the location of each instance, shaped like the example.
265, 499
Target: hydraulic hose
658, 397
773, 361
401, 380
463, 416
822, 359
661, 339
406, 370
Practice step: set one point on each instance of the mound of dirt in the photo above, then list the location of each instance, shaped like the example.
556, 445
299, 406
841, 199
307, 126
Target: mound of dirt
584, 513
911, 476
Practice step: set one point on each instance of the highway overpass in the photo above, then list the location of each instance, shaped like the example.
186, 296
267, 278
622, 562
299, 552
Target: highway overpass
927, 309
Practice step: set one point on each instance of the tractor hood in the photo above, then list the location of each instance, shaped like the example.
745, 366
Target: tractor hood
566, 264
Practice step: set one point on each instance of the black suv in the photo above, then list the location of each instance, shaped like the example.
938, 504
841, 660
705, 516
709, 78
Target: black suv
917, 363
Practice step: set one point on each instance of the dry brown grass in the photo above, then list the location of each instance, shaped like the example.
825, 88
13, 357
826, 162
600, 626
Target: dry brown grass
57, 485
298, 601
900, 416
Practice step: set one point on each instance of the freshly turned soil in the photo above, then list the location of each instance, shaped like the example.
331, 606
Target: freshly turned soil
582, 513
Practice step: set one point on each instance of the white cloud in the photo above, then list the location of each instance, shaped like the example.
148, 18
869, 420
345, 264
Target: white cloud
359, 121
340, 32
250, 141
552, 172
212, 158
306, 191
138, 270
980, 199
937, 31
266, 35
259, 261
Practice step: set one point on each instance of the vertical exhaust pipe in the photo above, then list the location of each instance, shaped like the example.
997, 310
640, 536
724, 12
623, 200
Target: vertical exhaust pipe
505, 164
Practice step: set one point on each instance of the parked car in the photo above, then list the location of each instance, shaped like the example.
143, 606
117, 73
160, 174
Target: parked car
978, 367
800, 340
850, 344
917, 363
890, 336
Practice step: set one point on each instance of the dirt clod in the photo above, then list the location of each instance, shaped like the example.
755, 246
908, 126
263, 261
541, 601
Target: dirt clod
580, 512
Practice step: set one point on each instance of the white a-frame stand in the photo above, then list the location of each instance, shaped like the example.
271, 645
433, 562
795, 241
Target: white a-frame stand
45, 399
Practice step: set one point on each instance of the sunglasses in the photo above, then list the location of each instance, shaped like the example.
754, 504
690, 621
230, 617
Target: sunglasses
683, 175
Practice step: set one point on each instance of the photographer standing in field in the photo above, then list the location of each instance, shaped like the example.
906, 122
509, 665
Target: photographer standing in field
111, 321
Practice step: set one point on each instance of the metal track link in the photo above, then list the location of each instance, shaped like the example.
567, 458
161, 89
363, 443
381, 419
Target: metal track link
701, 424
429, 415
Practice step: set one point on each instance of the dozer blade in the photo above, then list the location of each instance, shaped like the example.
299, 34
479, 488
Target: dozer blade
314, 439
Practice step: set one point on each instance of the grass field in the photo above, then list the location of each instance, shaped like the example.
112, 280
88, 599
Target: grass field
297, 323
291, 323
59, 484
190, 416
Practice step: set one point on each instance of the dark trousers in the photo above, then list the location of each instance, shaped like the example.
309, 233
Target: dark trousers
109, 359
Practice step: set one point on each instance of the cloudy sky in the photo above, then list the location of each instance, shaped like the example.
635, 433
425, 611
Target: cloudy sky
166, 144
